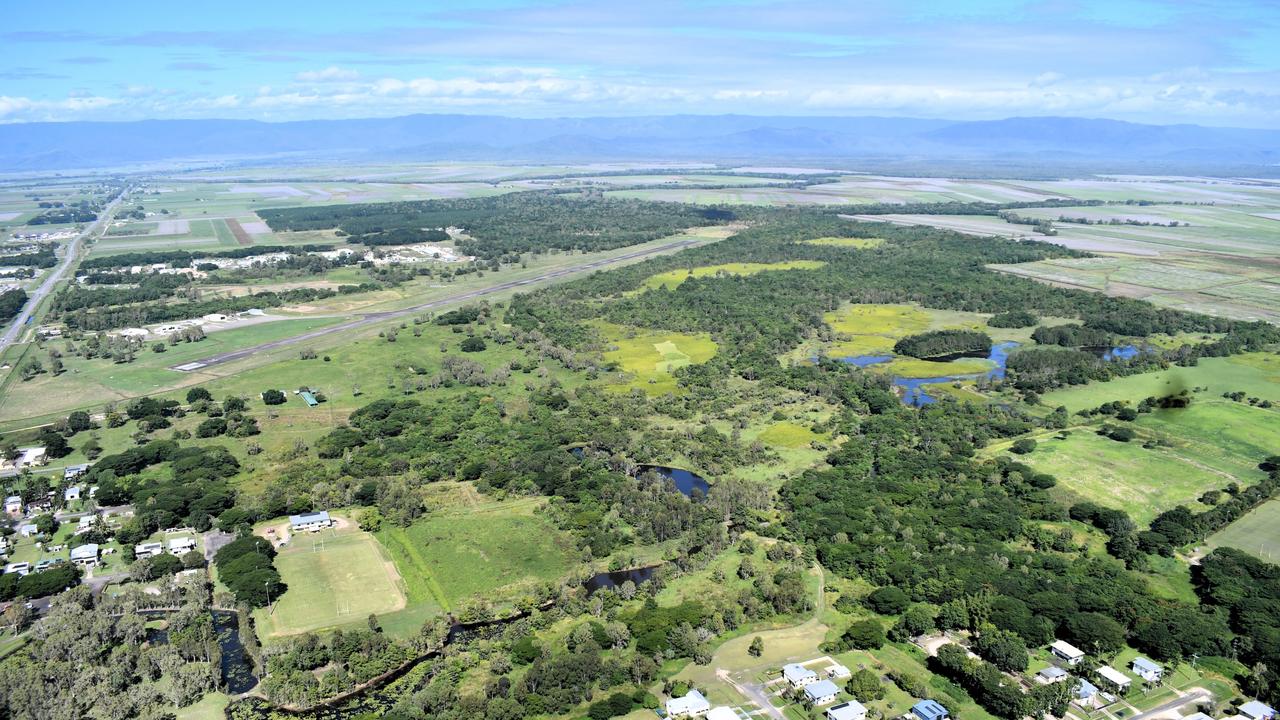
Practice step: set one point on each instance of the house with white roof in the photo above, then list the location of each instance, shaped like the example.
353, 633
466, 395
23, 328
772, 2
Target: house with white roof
798, 675
693, 704
722, 712
13, 504
181, 546
85, 555
71, 472
838, 672
820, 693
21, 568
1068, 652
1147, 670
310, 522
84, 524
852, 710
1255, 710
1115, 678
71, 494
1086, 691
148, 549
1050, 675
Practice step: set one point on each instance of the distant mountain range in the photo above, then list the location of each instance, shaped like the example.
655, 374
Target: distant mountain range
1035, 144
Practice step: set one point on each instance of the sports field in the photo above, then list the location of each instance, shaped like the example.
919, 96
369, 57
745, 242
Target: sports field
1257, 533
497, 552
673, 278
335, 577
649, 357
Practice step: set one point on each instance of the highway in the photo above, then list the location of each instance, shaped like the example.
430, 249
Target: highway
69, 254
372, 318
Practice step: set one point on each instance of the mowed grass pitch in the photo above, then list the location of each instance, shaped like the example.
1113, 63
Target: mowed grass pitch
651, 356
335, 577
1257, 533
672, 278
498, 552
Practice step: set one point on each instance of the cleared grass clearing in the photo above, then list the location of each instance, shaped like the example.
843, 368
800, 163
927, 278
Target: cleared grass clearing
1256, 374
650, 356
853, 242
672, 279
1257, 533
788, 435
873, 329
909, 367
335, 577
497, 552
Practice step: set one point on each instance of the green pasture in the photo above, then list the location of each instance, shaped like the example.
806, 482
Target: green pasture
909, 367
496, 552
1257, 533
1256, 374
335, 577
673, 278
649, 357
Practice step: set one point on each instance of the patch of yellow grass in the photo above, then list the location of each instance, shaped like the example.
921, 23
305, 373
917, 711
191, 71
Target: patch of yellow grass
672, 278
859, 243
909, 367
651, 356
788, 435
873, 329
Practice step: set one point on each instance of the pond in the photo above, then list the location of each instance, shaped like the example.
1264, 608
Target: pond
616, 578
913, 389
686, 482
1122, 352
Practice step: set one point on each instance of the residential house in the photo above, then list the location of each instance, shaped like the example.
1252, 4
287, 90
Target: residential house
722, 713
4, 545
930, 710
821, 693
1068, 652
181, 546
1086, 691
148, 549
85, 555
691, 705
71, 472
21, 568
30, 457
85, 523
1147, 670
71, 494
838, 672
1255, 710
27, 529
1051, 675
852, 710
309, 522
1116, 679
798, 675
13, 504
46, 564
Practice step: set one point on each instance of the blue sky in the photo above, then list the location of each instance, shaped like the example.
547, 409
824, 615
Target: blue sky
1201, 61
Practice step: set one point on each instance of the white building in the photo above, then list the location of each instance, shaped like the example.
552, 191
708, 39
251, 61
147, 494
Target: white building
798, 675
71, 472
13, 505
1065, 650
21, 568
838, 672
84, 524
1255, 710
852, 710
71, 494
85, 555
722, 713
821, 693
309, 522
181, 546
1115, 678
691, 705
1147, 670
148, 549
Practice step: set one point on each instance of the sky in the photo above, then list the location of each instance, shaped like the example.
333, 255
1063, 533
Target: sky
1211, 62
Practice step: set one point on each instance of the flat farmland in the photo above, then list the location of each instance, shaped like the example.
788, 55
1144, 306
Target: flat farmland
854, 189
1257, 533
1256, 374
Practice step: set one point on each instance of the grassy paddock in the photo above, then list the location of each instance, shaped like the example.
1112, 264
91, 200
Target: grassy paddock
651, 356
1257, 533
335, 577
850, 242
672, 278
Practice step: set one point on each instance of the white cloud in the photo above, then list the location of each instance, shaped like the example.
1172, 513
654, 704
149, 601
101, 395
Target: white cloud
329, 74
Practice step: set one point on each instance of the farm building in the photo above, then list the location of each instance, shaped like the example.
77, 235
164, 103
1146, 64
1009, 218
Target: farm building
310, 522
149, 549
852, 710
1116, 679
691, 705
1051, 675
309, 399
930, 710
821, 693
181, 546
1065, 650
1147, 670
1255, 710
798, 675
85, 555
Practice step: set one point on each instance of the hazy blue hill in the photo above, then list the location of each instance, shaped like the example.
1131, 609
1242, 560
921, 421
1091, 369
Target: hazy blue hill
1045, 142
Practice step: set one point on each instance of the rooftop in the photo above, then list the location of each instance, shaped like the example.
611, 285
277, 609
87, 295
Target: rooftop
1114, 675
929, 710
1141, 663
304, 518
1256, 709
796, 671
821, 689
692, 703
1052, 672
85, 552
852, 710
1066, 648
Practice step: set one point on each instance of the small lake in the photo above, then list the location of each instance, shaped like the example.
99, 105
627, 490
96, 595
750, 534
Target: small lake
1122, 352
237, 666
686, 482
616, 578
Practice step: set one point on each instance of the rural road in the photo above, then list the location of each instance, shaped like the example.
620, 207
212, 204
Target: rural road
378, 317
1192, 697
69, 254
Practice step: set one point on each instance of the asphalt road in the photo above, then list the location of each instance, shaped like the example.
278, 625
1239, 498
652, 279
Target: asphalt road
1194, 696
69, 254
372, 318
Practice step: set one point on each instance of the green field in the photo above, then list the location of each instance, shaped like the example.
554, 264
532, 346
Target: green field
496, 552
649, 357
1257, 533
672, 278
1256, 374
335, 577
852, 242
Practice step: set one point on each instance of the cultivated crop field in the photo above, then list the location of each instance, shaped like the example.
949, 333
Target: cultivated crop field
335, 577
